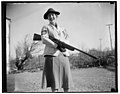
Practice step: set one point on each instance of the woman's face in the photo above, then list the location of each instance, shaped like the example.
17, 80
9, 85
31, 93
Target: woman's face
52, 17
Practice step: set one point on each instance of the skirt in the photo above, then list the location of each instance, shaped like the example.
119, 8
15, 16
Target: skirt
57, 73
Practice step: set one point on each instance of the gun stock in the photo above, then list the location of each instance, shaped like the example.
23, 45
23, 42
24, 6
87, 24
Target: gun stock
36, 37
62, 44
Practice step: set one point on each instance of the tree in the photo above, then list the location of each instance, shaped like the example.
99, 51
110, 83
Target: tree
24, 51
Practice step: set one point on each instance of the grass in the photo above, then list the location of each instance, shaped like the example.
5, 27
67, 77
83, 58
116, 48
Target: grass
93, 80
85, 80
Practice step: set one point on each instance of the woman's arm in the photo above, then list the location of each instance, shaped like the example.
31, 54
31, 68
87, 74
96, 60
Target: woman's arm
45, 38
66, 36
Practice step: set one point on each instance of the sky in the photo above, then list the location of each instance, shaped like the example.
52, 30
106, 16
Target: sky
84, 22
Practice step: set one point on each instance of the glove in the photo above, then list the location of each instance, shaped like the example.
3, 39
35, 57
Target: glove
61, 49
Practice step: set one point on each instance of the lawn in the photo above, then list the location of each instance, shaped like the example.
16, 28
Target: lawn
85, 80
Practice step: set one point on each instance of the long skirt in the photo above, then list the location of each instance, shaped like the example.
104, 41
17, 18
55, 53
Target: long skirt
57, 72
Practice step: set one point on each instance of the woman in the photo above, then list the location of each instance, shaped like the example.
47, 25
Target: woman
57, 67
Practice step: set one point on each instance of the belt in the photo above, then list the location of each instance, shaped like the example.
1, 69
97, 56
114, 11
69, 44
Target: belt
49, 56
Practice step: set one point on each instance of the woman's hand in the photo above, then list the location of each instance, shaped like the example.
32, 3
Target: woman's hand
61, 49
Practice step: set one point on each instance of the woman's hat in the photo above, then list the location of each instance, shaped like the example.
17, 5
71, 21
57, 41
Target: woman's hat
50, 10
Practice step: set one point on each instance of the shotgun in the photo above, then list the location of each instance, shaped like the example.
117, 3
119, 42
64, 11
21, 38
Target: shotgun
37, 37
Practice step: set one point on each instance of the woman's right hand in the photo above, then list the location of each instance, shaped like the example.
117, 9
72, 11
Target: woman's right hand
61, 49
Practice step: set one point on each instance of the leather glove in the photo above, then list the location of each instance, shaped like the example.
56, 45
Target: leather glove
61, 49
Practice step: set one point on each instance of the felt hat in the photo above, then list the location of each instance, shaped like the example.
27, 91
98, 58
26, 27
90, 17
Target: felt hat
50, 10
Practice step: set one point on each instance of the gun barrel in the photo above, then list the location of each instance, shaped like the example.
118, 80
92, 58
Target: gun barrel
86, 53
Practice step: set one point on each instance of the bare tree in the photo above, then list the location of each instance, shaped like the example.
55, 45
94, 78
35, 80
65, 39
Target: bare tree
24, 51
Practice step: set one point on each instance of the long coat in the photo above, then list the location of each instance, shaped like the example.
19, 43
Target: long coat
56, 73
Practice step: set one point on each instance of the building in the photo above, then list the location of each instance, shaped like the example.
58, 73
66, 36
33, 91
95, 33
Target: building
8, 21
